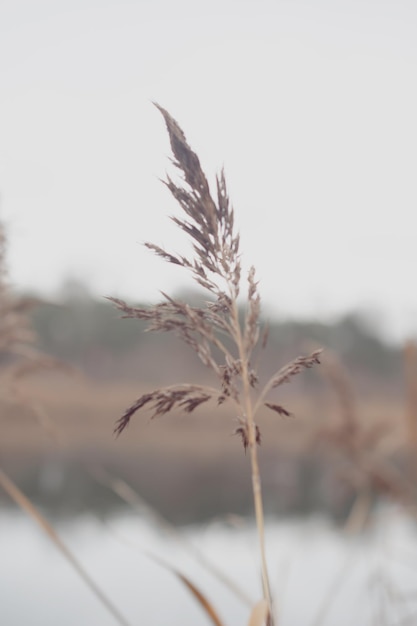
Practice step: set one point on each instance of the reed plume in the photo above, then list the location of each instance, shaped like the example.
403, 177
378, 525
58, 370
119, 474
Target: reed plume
224, 340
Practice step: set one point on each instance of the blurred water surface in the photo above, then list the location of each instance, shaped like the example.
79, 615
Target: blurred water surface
319, 574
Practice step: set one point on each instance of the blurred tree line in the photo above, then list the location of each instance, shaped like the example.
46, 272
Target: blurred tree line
87, 331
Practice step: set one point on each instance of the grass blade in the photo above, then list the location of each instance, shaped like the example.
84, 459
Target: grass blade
138, 503
198, 595
21, 500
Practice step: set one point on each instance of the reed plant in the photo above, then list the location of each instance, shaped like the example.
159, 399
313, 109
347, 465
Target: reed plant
359, 446
226, 341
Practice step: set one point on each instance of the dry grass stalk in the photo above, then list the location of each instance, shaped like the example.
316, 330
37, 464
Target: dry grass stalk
21, 358
201, 598
26, 505
223, 342
138, 503
366, 471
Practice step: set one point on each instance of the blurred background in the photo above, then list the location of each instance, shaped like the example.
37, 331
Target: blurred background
310, 108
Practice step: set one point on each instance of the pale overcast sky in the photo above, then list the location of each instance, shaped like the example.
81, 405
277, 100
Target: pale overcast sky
311, 106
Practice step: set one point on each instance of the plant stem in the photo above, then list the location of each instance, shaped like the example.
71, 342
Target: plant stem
256, 476
257, 489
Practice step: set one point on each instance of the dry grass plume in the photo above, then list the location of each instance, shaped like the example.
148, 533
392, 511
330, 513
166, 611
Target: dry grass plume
223, 341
